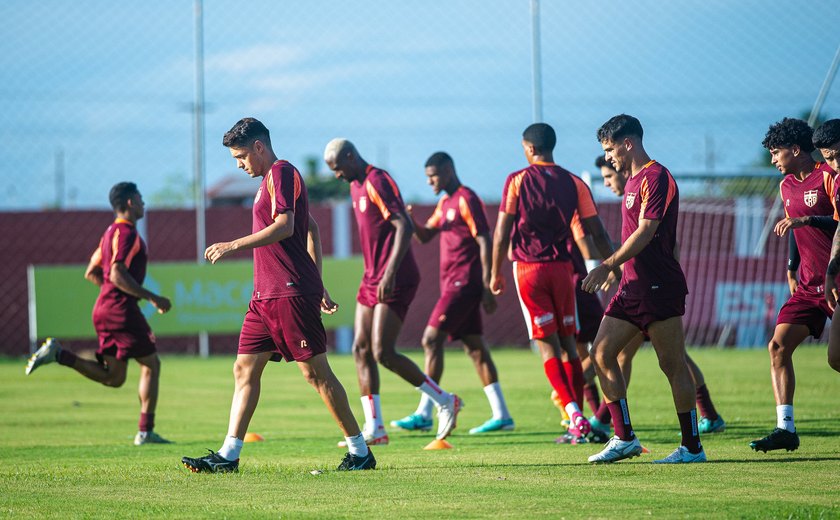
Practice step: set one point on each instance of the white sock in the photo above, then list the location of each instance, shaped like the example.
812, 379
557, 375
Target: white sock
231, 448
373, 414
497, 401
572, 409
356, 445
784, 417
435, 393
425, 407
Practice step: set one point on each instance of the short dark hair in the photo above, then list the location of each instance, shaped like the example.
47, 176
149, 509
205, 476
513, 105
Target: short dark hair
601, 161
542, 136
120, 193
827, 135
245, 132
439, 159
789, 132
618, 127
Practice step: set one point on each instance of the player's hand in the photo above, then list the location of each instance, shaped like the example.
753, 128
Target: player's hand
598, 278
497, 284
385, 288
328, 306
409, 209
162, 304
218, 251
785, 224
488, 301
831, 293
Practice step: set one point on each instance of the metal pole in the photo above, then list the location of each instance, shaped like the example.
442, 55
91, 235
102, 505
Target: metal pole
198, 157
812, 119
536, 61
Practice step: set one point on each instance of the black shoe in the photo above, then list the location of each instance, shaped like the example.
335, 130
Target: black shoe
779, 439
597, 436
213, 463
353, 463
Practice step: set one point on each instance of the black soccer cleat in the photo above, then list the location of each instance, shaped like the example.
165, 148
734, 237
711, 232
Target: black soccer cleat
213, 463
779, 439
353, 463
598, 436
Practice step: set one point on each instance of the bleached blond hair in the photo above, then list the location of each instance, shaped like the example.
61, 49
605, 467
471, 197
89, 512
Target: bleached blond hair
337, 147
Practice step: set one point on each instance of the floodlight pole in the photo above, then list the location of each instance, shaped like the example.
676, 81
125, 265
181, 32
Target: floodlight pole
536, 61
812, 119
198, 154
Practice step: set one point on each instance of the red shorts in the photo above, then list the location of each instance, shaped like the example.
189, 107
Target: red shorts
398, 301
457, 313
807, 309
589, 314
135, 342
547, 294
290, 327
643, 312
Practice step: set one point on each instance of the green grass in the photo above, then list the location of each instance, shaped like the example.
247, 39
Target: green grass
65, 448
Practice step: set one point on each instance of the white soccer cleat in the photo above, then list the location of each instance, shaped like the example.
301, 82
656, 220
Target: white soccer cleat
617, 449
681, 455
149, 438
380, 438
48, 353
447, 417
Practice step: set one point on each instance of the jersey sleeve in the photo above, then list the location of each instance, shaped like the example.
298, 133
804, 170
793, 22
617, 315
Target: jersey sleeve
576, 226
585, 204
435, 221
510, 193
284, 188
657, 192
384, 194
473, 215
125, 244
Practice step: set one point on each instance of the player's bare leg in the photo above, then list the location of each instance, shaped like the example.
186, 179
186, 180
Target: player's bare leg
367, 372
111, 372
834, 342
319, 374
603, 417
247, 375
477, 350
432, 341
147, 391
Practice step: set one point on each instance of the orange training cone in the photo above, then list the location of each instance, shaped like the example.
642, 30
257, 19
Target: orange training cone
645, 450
253, 437
438, 444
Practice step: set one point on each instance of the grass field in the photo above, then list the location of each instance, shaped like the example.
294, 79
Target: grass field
65, 448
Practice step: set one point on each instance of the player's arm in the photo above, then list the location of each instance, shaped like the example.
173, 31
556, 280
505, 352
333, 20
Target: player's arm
501, 243
94, 273
404, 228
123, 281
793, 264
831, 293
485, 252
635, 243
282, 228
313, 247
421, 233
825, 222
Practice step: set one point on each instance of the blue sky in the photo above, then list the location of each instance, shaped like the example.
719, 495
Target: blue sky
110, 83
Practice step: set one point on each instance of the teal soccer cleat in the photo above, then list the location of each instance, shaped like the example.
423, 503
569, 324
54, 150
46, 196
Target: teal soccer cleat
493, 425
414, 422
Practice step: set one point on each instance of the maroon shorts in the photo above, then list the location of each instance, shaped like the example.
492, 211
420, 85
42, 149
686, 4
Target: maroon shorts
398, 301
290, 328
806, 309
457, 313
589, 314
643, 312
134, 342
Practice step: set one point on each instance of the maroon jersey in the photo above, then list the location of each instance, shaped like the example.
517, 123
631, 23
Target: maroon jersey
375, 199
114, 309
652, 194
460, 218
544, 200
811, 196
284, 268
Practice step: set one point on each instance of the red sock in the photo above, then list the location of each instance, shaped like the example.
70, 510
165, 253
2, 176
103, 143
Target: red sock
688, 427
704, 403
574, 374
621, 420
590, 393
147, 422
557, 378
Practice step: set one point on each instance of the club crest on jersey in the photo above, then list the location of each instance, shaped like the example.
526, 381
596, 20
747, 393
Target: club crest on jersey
810, 198
629, 199
362, 204
450, 214
257, 198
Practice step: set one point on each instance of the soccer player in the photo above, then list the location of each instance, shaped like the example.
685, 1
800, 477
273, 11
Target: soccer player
806, 190
540, 204
283, 321
465, 254
827, 140
118, 267
387, 288
651, 294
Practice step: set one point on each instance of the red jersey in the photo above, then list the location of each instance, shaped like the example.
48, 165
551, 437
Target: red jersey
544, 200
811, 196
114, 309
652, 194
460, 218
375, 199
284, 268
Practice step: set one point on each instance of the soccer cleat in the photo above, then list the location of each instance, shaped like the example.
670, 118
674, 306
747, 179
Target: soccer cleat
681, 455
555, 399
705, 425
213, 463
149, 438
370, 439
448, 416
595, 424
493, 425
580, 426
597, 436
779, 439
355, 463
569, 438
48, 353
414, 422
617, 449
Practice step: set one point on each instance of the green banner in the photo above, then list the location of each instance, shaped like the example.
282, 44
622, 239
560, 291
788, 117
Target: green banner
206, 297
